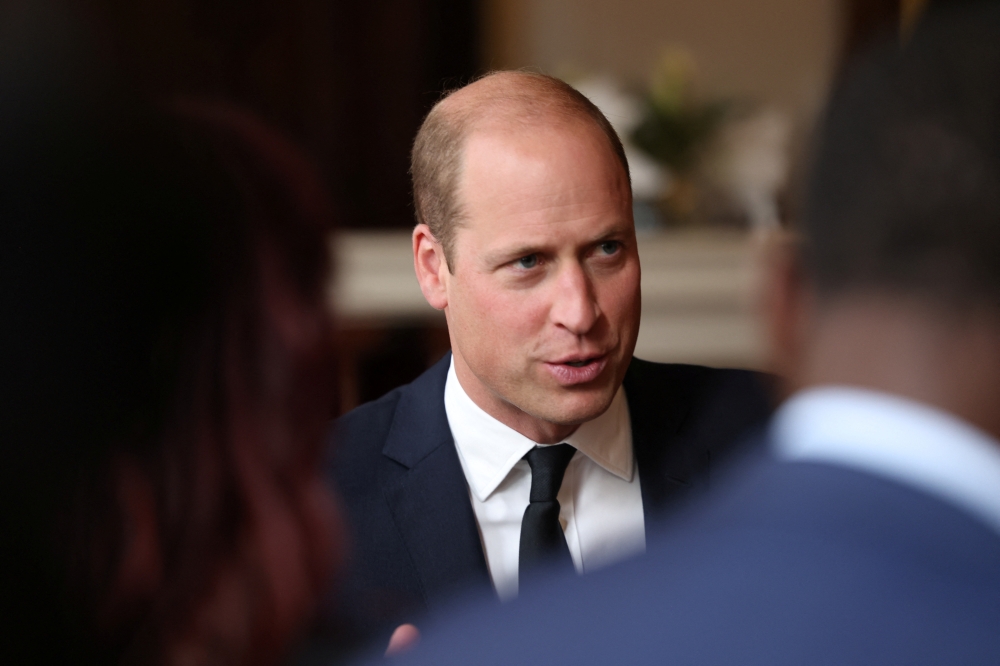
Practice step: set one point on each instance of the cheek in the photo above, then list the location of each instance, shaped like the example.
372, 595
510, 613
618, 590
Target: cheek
489, 317
619, 297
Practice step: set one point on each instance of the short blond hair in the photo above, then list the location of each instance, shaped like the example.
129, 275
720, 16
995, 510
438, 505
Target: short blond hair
436, 160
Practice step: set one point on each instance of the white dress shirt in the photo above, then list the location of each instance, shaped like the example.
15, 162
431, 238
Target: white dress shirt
889, 436
600, 498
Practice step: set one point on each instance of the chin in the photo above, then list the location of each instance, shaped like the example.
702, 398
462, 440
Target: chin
578, 408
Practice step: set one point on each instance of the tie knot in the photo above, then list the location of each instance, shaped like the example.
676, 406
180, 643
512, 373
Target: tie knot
548, 465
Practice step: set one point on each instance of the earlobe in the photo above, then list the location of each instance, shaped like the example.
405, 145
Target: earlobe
139, 570
785, 305
431, 267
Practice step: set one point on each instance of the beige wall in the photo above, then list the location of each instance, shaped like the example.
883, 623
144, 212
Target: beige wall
778, 52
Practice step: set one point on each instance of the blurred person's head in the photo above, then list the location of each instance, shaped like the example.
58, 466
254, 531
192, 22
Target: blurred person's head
525, 239
165, 378
898, 287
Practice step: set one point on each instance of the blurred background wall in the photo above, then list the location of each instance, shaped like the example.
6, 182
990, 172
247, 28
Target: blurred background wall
351, 82
780, 52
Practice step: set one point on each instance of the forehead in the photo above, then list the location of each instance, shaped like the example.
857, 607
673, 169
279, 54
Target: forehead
542, 181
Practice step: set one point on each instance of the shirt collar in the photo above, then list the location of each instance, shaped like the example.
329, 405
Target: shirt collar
488, 449
893, 437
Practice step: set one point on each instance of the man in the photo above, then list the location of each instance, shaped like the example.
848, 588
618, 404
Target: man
526, 241
868, 530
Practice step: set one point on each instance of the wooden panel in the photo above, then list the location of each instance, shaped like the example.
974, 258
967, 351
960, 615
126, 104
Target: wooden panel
351, 81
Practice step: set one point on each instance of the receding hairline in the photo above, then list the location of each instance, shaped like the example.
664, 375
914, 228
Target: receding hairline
511, 96
492, 103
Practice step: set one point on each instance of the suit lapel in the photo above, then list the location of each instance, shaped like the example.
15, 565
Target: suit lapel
658, 404
429, 501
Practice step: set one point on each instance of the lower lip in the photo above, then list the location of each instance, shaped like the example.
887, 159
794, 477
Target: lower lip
568, 375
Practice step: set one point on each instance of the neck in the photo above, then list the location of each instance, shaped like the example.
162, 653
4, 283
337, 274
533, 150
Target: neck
949, 359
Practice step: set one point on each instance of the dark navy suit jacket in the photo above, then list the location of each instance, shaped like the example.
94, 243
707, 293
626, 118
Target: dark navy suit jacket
413, 534
793, 563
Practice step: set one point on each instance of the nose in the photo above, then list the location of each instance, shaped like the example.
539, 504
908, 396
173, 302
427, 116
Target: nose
574, 304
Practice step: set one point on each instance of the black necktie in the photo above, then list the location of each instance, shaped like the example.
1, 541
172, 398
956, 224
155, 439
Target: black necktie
542, 538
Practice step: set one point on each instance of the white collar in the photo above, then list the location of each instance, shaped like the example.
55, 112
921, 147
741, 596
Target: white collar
887, 435
489, 449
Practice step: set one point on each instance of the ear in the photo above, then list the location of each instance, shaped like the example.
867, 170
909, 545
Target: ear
431, 267
786, 307
139, 570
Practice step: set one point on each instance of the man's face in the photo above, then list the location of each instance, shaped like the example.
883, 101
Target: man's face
543, 302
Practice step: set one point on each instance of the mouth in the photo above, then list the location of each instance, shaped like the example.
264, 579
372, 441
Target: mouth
577, 370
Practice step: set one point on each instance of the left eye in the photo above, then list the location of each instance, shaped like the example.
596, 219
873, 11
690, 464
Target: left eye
530, 261
610, 247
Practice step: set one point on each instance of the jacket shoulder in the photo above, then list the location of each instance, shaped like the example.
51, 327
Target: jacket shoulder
686, 377
715, 395
356, 440
371, 420
687, 419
